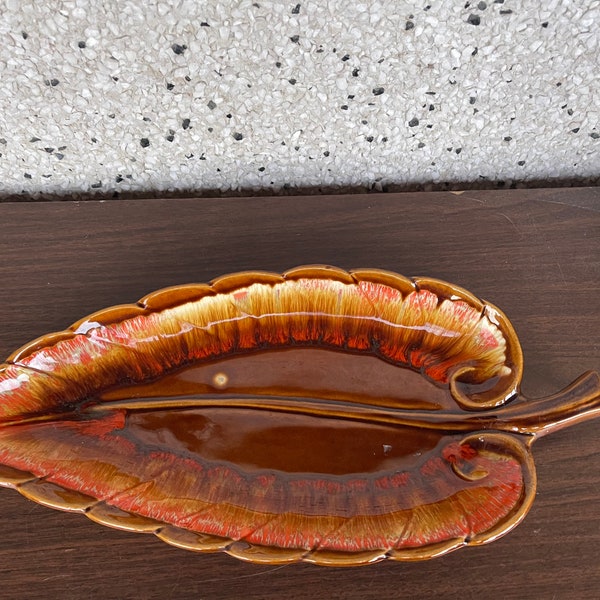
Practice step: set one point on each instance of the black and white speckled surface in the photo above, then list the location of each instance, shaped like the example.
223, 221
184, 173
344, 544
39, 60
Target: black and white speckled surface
126, 97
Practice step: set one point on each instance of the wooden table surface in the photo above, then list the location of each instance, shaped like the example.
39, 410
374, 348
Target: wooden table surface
535, 254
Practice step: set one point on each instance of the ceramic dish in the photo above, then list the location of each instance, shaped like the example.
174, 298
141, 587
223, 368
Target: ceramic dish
333, 417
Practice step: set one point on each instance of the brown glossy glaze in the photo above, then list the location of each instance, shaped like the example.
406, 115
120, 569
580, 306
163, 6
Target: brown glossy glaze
320, 415
299, 372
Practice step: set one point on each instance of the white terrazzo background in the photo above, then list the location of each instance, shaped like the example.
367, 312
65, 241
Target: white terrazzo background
122, 98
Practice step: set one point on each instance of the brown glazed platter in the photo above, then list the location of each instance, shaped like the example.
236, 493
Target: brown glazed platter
321, 415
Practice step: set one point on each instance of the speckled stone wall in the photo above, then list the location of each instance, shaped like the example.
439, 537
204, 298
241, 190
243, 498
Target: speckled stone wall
127, 97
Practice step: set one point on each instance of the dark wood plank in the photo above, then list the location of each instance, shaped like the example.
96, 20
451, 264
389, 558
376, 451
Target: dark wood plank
535, 253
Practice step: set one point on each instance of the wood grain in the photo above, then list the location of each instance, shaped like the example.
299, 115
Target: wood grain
535, 254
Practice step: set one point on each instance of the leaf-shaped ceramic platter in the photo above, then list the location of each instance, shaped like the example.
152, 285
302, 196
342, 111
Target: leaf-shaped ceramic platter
334, 417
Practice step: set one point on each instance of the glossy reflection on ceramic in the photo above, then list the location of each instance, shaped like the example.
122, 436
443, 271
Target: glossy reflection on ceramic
321, 415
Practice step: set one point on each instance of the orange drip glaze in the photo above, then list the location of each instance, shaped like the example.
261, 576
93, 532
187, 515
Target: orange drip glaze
318, 415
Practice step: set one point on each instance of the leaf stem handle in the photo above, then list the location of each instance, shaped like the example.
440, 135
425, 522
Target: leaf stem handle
579, 401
